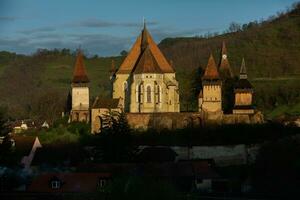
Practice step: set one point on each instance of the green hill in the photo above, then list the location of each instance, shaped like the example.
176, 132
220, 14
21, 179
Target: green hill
38, 85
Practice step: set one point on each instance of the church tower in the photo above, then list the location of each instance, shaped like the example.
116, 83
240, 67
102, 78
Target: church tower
224, 67
243, 92
210, 97
80, 91
145, 80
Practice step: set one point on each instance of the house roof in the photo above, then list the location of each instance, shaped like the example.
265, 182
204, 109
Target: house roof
143, 41
211, 71
80, 75
224, 67
106, 103
70, 182
23, 144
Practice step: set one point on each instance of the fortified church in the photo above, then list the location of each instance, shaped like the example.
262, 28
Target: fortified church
146, 89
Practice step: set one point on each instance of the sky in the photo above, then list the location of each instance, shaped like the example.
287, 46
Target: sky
107, 27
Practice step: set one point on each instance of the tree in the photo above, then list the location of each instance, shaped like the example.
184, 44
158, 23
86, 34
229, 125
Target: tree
116, 139
3, 122
123, 53
234, 27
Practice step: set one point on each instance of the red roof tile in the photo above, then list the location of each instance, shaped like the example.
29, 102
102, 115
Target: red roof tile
79, 75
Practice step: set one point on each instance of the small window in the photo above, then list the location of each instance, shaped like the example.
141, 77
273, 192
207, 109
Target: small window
55, 184
102, 183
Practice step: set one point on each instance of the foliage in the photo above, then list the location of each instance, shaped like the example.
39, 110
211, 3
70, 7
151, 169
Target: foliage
115, 138
3, 122
134, 187
277, 167
216, 135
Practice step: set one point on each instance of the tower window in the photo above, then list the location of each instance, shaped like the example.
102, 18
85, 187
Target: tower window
148, 94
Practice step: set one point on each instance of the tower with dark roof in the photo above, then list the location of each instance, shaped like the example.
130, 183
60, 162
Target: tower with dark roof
80, 91
210, 97
145, 80
243, 92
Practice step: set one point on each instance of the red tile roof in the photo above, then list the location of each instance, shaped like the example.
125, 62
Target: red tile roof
80, 75
211, 71
70, 182
144, 40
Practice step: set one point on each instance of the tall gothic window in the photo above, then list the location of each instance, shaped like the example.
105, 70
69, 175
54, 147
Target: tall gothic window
148, 94
159, 93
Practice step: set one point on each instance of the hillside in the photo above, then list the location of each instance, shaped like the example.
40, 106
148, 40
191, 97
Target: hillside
37, 86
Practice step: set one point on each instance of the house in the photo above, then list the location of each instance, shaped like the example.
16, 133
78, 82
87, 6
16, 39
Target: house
69, 182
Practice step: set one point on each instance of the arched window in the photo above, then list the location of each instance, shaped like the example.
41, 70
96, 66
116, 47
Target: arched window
77, 117
148, 94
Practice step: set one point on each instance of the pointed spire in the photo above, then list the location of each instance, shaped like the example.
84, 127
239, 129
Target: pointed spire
224, 50
243, 70
79, 75
144, 43
211, 71
224, 67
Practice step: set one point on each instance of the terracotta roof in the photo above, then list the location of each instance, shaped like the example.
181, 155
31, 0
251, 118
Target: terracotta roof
211, 71
106, 103
79, 75
144, 40
70, 182
147, 63
224, 67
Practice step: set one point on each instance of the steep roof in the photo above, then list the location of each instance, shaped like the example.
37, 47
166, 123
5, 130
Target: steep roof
211, 71
147, 63
143, 42
243, 70
224, 67
79, 75
243, 82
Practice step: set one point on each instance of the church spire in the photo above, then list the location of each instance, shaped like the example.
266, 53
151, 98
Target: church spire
243, 70
144, 43
224, 67
79, 75
211, 71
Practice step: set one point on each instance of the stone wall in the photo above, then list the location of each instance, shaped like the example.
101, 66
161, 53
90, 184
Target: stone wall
144, 121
